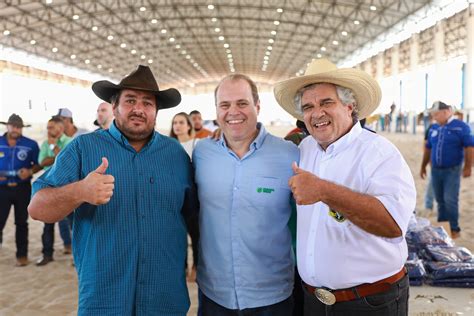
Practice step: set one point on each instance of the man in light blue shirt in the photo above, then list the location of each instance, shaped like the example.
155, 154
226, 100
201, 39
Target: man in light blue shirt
246, 261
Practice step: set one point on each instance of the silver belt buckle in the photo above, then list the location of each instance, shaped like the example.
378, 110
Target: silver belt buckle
325, 296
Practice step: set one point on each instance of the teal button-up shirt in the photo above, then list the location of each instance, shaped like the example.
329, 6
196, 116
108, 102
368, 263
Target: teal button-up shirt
130, 252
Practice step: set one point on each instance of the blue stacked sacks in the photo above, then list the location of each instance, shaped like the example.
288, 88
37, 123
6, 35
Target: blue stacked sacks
435, 260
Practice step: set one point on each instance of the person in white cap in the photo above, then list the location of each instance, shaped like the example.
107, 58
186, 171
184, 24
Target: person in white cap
448, 145
70, 129
355, 196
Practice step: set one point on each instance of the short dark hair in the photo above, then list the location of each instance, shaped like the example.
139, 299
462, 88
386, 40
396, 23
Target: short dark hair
115, 98
56, 119
235, 77
194, 112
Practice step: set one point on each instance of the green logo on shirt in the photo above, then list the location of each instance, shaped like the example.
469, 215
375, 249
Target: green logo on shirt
265, 190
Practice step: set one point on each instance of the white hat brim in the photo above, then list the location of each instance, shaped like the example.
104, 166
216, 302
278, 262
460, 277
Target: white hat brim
366, 89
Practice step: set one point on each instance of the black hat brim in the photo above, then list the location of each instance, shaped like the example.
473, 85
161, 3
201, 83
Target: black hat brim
17, 125
165, 98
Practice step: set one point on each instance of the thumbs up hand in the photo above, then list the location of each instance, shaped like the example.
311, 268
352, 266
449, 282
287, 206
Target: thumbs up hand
306, 187
98, 187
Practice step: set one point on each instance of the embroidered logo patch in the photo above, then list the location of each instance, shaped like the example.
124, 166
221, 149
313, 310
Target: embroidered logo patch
21, 155
337, 216
265, 190
2, 154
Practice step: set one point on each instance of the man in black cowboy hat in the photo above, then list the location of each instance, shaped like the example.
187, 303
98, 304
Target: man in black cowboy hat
18, 162
129, 188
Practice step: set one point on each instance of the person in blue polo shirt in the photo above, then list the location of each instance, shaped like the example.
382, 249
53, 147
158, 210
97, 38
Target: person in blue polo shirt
447, 146
18, 162
129, 232
245, 262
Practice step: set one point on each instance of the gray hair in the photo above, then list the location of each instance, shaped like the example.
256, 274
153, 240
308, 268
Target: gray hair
344, 94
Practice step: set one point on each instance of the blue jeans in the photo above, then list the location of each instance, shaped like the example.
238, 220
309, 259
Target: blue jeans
429, 194
393, 302
446, 184
65, 231
211, 308
47, 237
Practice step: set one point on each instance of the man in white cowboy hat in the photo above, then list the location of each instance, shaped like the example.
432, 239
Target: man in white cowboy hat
355, 196
18, 163
129, 188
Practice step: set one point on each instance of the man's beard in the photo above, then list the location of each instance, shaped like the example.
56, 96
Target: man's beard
130, 133
14, 135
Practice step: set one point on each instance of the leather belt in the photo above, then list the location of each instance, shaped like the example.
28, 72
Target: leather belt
329, 297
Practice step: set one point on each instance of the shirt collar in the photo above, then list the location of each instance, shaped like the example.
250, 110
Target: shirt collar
257, 142
117, 134
19, 140
343, 142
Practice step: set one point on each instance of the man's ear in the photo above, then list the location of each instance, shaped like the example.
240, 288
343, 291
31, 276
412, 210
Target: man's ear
351, 107
257, 105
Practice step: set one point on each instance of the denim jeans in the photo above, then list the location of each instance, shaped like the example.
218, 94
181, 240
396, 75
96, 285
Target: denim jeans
393, 302
429, 194
446, 185
65, 231
48, 236
210, 308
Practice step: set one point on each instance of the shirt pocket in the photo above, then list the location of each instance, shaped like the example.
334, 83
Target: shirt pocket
335, 219
269, 191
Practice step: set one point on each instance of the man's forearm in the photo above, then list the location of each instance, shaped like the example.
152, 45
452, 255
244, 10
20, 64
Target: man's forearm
363, 210
48, 161
53, 204
36, 168
426, 157
468, 157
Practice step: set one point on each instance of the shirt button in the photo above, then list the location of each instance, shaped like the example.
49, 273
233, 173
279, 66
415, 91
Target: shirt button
236, 188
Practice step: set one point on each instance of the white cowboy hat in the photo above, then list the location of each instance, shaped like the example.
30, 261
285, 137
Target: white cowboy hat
366, 89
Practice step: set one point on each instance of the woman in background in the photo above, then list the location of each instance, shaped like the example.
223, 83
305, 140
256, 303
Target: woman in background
182, 129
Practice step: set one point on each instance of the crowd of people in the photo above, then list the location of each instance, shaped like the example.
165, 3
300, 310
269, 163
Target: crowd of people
255, 206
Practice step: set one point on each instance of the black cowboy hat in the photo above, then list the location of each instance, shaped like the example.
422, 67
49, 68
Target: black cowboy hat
140, 79
15, 120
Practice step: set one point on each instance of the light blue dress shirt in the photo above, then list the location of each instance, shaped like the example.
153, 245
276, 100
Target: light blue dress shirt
245, 253
130, 252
